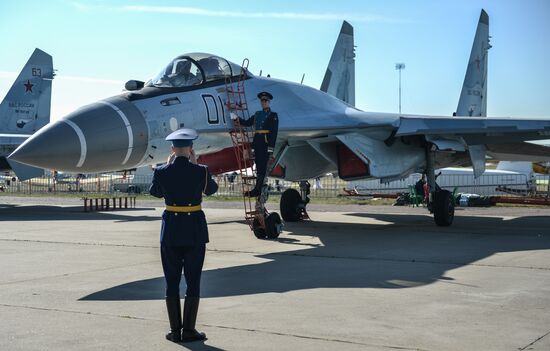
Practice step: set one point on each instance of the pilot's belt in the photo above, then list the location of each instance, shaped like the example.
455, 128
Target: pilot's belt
263, 131
195, 208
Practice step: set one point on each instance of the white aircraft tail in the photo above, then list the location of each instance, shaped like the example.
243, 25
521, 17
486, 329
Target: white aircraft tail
26, 106
473, 98
339, 79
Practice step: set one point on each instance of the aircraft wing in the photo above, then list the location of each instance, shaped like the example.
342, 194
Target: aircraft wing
475, 131
13, 139
503, 139
391, 148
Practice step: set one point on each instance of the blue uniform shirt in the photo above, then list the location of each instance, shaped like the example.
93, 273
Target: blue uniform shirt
260, 117
182, 183
263, 120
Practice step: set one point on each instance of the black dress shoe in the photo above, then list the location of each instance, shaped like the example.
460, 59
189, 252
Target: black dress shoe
192, 335
174, 336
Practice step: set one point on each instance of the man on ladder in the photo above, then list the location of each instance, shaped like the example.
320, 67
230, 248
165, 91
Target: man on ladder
266, 123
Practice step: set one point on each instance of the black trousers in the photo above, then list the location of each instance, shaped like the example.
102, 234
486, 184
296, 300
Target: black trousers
188, 258
261, 157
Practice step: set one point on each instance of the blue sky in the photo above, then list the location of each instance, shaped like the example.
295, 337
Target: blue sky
98, 45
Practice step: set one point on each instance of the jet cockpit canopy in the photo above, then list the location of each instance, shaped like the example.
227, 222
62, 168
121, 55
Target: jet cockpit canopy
194, 69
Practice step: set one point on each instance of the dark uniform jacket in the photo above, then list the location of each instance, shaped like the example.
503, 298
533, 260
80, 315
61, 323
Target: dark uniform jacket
182, 183
263, 120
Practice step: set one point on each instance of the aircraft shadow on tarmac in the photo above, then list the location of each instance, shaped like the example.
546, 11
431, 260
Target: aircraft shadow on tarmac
400, 251
9, 212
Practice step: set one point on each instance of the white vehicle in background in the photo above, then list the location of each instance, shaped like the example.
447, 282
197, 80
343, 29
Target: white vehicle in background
134, 182
463, 179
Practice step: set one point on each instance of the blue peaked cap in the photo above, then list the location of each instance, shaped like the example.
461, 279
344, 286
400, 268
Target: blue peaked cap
183, 137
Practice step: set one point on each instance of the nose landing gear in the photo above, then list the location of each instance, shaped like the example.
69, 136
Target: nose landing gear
273, 226
266, 225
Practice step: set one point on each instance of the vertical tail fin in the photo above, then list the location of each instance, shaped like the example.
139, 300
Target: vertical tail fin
339, 79
26, 107
473, 98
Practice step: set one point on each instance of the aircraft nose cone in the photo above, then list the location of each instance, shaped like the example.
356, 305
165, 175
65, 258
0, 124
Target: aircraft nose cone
55, 146
104, 136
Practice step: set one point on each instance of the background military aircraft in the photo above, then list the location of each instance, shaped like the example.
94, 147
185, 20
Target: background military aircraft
320, 131
25, 109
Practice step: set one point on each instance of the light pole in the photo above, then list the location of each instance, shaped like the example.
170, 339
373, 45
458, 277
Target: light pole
399, 67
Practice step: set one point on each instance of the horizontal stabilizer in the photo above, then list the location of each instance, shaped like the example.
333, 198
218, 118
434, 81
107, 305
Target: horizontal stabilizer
519, 152
24, 172
13, 139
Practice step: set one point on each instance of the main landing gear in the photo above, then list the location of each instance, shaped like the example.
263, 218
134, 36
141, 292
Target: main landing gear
443, 208
440, 202
293, 203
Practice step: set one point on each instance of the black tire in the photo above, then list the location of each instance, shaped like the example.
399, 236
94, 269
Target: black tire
259, 232
444, 208
272, 223
291, 205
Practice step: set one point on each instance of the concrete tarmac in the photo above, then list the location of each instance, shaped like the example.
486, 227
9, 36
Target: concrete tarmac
353, 278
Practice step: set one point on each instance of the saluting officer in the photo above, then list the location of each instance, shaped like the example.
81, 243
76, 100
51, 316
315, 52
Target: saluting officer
266, 123
184, 234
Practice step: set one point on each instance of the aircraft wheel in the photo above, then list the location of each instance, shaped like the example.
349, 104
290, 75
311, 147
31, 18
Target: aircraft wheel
444, 208
291, 205
273, 225
259, 232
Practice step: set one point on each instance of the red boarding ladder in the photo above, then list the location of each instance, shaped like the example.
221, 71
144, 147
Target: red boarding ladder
242, 137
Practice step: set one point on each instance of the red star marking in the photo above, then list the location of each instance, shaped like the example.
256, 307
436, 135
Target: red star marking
28, 86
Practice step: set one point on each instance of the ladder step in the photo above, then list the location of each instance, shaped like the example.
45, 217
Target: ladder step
237, 107
236, 91
241, 137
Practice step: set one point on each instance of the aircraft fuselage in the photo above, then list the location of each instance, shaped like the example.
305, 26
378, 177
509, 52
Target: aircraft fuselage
128, 130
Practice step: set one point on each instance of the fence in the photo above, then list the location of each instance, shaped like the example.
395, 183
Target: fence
486, 185
324, 187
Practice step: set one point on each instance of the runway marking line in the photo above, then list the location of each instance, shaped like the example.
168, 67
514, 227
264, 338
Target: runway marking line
535, 341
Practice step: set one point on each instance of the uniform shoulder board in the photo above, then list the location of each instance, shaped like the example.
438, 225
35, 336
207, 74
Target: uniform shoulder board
161, 167
201, 165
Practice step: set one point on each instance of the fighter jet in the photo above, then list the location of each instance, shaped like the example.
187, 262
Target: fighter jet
320, 132
25, 109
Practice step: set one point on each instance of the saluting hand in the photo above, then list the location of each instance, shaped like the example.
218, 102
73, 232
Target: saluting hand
171, 158
193, 157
